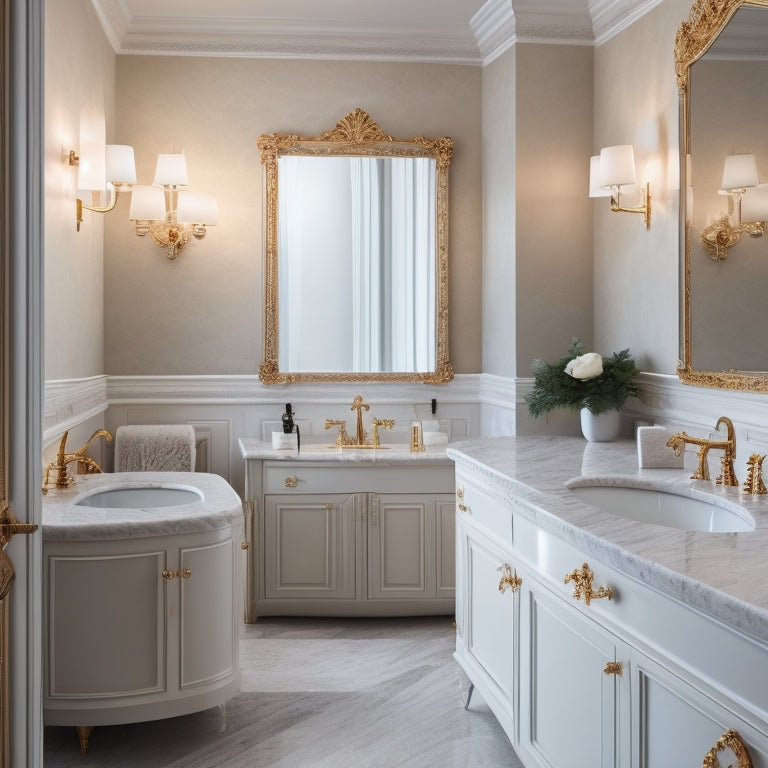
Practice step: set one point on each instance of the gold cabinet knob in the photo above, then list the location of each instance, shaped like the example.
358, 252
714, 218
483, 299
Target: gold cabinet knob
182, 573
613, 668
291, 482
582, 585
509, 578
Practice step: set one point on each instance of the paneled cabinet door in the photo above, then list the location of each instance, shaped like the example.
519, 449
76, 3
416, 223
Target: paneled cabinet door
309, 546
569, 685
208, 637
406, 546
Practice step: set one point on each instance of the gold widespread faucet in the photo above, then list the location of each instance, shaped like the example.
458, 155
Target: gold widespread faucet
343, 440
728, 447
63, 460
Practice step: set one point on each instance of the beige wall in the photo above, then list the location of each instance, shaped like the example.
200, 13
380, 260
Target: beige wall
79, 82
202, 314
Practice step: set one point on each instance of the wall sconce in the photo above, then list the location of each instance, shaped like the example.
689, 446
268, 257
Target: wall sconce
612, 169
169, 214
116, 166
741, 183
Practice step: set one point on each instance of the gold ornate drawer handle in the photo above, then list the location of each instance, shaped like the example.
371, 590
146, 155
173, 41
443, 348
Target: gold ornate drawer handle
465, 509
729, 740
460, 492
613, 668
582, 581
509, 578
291, 482
183, 573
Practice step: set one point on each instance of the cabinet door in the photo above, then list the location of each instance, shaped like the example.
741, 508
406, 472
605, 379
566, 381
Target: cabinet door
208, 651
309, 547
571, 703
446, 546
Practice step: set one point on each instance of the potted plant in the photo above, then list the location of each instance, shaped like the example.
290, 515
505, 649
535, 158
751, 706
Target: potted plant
585, 383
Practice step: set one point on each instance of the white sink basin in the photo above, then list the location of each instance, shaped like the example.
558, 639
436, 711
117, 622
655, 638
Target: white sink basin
664, 508
140, 498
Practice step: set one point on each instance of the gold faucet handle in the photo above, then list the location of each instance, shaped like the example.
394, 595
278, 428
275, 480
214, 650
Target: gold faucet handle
341, 438
386, 423
754, 483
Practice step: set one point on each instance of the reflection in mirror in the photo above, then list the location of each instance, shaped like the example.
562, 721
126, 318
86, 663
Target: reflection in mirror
722, 64
356, 256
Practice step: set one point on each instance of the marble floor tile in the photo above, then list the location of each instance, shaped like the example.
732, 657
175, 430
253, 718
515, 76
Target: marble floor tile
320, 693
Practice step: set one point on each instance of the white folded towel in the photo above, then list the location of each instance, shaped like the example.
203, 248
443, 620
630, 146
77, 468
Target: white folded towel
155, 448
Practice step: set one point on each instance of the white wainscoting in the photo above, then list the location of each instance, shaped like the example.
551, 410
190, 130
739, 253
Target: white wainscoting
225, 408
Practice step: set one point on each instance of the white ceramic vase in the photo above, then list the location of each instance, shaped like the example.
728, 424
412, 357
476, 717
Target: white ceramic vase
600, 428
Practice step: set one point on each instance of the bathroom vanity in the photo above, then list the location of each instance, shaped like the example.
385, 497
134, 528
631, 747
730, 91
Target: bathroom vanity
599, 640
142, 575
358, 532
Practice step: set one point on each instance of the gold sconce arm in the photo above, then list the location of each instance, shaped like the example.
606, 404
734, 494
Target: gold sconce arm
721, 235
645, 208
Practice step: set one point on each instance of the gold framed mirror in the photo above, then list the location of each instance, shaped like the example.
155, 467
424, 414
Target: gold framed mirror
722, 277
356, 256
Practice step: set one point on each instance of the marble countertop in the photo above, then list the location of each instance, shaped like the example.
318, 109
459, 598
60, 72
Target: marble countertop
724, 575
64, 520
253, 448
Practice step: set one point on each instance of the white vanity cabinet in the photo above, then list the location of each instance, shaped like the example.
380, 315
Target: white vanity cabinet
349, 538
638, 680
140, 629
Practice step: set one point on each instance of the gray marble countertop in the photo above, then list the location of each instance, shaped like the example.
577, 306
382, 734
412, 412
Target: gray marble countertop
724, 575
253, 448
64, 520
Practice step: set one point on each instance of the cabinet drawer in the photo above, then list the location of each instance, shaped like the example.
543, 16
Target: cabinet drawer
473, 504
309, 477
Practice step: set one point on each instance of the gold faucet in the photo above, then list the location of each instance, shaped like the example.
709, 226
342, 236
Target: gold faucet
728, 447
343, 440
358, 405
64, 459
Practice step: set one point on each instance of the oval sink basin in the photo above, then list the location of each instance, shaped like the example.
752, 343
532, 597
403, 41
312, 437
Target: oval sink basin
663, 508
140, 498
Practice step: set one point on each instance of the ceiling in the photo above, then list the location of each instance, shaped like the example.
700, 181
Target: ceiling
456, 31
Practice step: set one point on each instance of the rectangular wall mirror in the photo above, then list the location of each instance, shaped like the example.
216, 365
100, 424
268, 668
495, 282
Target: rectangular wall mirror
356, 256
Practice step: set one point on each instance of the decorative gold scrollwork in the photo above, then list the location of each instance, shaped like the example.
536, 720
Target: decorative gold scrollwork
582, 580
613, 668
182, 573
291, 482
509, 578
729, 740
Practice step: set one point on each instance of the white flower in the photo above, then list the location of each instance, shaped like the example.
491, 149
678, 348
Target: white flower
585, 366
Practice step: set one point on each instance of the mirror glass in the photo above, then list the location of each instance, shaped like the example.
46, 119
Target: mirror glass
722, 63
356, 256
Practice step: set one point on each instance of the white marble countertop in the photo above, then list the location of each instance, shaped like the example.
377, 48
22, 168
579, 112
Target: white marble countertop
64, 520
724, 575
253, 448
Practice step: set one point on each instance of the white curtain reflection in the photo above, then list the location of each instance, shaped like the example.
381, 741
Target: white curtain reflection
357, 266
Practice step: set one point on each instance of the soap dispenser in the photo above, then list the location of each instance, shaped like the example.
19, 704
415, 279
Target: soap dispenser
285, 440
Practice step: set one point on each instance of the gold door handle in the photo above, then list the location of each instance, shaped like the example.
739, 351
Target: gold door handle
291, 482
582, 581
183, 573
9, 526
613, 668
508, 578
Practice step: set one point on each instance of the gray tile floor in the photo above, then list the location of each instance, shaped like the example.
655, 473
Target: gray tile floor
320, 693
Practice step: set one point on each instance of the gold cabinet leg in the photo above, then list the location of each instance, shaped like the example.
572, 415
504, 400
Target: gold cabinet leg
83, 736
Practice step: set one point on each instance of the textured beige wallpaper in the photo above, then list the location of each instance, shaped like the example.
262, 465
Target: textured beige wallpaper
202, 314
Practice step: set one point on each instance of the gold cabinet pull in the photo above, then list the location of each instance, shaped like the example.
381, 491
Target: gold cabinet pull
509, 578
462, 507
291, 482
582, 585
729, 740
613, 668
182, 573
244, 545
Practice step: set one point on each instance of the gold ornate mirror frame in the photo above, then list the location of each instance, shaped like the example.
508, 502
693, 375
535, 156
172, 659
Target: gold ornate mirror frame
706, 21
355, 135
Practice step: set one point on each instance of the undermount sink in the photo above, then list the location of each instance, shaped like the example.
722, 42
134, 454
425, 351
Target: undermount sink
140, 498
674, 510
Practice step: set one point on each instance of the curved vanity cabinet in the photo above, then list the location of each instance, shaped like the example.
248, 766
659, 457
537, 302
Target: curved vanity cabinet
348, 537
141, 606
583, 663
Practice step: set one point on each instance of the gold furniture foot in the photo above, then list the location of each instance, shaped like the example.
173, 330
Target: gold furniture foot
83, 736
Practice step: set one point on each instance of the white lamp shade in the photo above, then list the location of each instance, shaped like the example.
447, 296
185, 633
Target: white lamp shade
121, 167
91, 170
754, 204
617, 165
595, 190
171, 170
196, 208
147, 203
739, 172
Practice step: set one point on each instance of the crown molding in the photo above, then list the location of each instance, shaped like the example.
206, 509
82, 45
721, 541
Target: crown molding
609, 17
